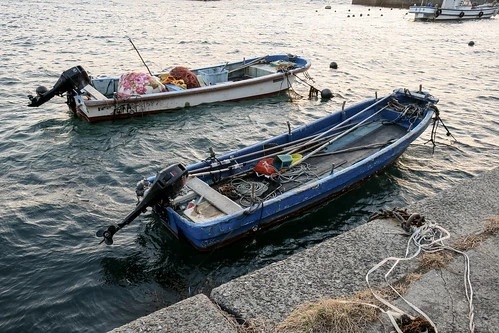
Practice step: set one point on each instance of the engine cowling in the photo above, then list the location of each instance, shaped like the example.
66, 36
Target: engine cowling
73, 79
165, 186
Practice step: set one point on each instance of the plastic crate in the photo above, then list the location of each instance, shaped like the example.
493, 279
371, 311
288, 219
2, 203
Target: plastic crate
283, 161
214, 76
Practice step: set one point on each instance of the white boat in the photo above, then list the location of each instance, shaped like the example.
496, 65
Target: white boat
137, 93
453, 10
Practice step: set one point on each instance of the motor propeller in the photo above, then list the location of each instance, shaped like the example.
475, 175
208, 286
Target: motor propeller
165, 186
107, 234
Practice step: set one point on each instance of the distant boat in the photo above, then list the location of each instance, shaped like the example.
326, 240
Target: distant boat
137, 94
223, 198
453, 10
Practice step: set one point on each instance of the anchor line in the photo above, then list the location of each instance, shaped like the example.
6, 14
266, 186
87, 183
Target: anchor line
436, 121
313, 92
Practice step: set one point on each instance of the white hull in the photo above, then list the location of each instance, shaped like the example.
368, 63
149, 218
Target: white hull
137, 94
424, 13
99, 110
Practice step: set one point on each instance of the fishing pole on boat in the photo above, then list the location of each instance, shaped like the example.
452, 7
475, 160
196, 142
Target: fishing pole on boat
199, 172
270, 149
247, 64
321, 137
316, 142
131, 42
355, 148
338, 137
304, 147
347, 120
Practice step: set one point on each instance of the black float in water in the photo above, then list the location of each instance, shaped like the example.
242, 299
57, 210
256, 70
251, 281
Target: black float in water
328, 7
333, 65
471, 43
326, 94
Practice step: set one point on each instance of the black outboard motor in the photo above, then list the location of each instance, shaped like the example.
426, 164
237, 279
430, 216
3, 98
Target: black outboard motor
74, 78
166, 186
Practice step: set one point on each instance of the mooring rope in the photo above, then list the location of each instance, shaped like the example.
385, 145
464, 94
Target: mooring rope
426, 237
437, 120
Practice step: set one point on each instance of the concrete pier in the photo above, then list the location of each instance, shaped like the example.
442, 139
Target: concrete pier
338, 266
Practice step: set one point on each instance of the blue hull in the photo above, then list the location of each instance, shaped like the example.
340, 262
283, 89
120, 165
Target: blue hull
220, 230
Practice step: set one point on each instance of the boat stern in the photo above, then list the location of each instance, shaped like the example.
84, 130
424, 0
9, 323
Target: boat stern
424, 12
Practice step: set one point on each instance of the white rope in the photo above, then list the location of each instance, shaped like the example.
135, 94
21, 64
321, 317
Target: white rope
427, 238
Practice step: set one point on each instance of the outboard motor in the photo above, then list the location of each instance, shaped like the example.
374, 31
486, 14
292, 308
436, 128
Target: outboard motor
74, 78
165, 187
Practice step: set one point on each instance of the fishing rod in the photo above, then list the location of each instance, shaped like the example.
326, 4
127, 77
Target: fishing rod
197, 172
348, 119
311, 145
130, 40
253, 62
265, 150
355, 148
338, 137
314, 145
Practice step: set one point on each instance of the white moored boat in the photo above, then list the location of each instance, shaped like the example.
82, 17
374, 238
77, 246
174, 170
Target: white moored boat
453, 10
139, 93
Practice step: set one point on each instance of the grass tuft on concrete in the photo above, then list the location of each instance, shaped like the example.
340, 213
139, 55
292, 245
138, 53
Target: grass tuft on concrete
468, 242
329, 315
434, 260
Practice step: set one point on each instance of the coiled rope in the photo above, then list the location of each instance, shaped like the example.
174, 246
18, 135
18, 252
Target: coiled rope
249, 192
425, 237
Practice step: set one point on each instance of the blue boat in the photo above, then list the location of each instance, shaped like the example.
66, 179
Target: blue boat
223, 198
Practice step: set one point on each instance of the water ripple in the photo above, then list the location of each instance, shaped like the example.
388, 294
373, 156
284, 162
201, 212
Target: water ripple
64, 178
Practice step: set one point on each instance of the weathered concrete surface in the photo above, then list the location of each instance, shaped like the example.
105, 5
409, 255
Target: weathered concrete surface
194, 315
441, 294
337, 267
334, 268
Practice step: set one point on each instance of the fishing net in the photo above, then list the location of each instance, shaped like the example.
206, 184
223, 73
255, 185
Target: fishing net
182, 73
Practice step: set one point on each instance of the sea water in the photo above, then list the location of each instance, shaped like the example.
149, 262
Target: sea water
62, 178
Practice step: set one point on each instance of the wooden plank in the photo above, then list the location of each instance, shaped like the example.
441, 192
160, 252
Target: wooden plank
94, 92
217, 199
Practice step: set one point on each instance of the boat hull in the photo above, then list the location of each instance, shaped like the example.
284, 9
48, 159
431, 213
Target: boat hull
424, 13
95, 111
228, 228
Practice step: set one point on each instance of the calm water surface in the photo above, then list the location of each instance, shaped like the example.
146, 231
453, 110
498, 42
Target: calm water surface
62, 178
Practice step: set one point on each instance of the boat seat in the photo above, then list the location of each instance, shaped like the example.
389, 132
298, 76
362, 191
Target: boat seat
217, 199
94, 92
201, 81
